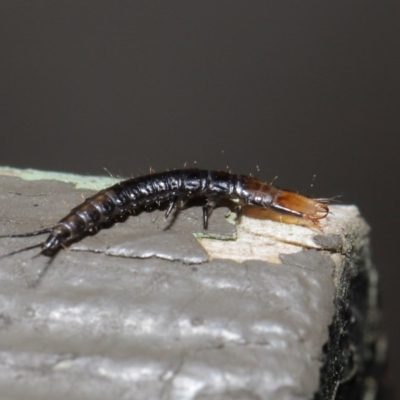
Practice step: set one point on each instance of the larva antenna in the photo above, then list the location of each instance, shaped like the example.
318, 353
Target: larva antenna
43, 272
22, 250
28, 234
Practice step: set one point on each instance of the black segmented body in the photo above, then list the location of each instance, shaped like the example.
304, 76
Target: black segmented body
172, 189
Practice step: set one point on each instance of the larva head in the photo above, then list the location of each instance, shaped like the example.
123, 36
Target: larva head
57, 238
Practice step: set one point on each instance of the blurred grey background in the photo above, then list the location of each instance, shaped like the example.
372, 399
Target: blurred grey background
306, 91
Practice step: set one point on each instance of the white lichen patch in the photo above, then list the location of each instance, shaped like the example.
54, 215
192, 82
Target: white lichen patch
260, 239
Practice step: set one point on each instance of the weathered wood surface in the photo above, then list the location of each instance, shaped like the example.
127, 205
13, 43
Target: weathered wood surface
144, 310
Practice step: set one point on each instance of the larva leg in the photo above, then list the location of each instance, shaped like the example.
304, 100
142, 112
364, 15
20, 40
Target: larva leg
171, 206
178, 202
207, 211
